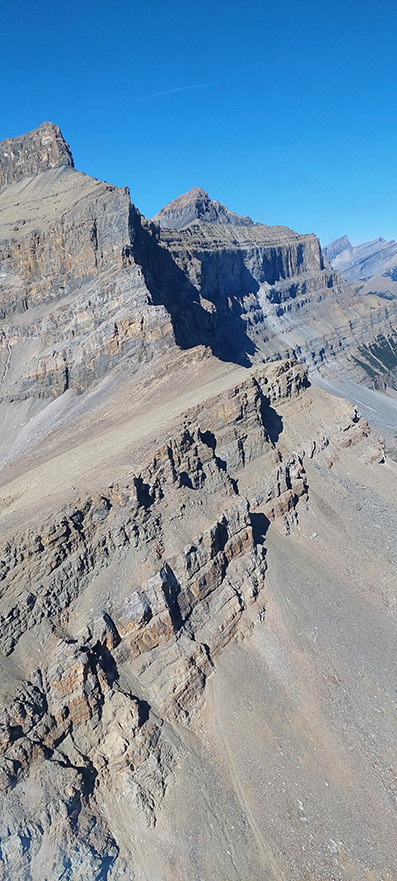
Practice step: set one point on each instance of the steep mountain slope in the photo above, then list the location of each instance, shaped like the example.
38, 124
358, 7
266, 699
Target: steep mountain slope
87, 283
135, 552
272, 291
197, 599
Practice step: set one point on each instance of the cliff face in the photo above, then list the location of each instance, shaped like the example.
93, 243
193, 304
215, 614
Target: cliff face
29, 154
73, 301
191, 577
270, 293
87, 284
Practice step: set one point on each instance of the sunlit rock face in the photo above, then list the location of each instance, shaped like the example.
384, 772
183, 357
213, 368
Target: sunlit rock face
39, 150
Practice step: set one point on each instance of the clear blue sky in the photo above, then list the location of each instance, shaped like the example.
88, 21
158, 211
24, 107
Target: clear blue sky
283, 110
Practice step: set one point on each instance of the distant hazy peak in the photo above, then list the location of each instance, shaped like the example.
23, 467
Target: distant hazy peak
372, 259
36, 151
337, 247
197, 205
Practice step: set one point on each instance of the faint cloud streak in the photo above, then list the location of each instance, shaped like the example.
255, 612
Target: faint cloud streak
174, 91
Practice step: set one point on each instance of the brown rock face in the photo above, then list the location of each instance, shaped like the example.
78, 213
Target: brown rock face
38, 150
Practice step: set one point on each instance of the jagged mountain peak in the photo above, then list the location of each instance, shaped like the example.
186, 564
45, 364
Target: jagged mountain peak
38, 150
194, 205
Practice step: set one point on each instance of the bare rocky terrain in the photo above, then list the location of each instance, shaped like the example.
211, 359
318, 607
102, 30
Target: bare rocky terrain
372, 269
197, 205
198, 558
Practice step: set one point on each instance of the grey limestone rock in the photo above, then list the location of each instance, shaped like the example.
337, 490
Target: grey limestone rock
38, 150
197, 205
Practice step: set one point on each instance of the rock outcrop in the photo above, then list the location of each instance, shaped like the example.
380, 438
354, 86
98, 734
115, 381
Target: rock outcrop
185, 542
73, 300
39, 150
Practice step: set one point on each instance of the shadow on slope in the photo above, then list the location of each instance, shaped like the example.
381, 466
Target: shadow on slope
271, 419
223, 329
260, 524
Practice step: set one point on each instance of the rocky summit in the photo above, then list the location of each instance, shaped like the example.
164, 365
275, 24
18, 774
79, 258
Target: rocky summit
197, 205
39, 150
198, 553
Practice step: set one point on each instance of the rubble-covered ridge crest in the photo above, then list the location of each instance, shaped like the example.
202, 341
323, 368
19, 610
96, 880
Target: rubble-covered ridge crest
36, 151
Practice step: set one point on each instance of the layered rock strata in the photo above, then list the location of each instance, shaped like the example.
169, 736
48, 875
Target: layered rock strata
72, 299
189, 599
271, 292
38, 150
184, 540
197, 205
163, 583
87, 285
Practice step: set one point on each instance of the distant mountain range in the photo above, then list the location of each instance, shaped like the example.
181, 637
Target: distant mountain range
365, 261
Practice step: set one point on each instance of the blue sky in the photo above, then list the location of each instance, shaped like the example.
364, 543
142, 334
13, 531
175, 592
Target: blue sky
282, 110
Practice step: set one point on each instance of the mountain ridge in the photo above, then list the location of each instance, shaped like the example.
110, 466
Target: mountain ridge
361, 262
